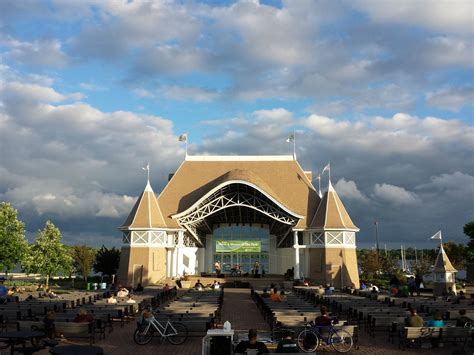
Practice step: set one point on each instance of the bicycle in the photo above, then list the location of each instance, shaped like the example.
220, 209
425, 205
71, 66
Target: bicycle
310, 338
176, 333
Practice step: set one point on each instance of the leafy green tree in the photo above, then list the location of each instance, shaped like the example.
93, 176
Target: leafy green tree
13, 245
48, 256
83, 259
107, 261
469, 231
457, 254
369, 263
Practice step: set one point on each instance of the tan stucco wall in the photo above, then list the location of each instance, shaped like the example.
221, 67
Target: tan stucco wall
325, 266
152, 259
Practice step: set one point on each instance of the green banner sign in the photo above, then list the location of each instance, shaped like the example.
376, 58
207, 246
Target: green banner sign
238, 246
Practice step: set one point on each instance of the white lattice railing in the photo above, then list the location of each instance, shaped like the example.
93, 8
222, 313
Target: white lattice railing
332, 239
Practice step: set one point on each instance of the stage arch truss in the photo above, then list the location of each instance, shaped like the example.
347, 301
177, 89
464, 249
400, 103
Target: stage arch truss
236, 202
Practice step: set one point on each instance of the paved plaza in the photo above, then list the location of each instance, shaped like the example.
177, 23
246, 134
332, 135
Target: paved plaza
242, 312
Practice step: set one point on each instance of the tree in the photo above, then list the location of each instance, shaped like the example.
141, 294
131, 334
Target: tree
48, 256
469, 231
457, 254
107, 261
369, 263
13, 245
83, 259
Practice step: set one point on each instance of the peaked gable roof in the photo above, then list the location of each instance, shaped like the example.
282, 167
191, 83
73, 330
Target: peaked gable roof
146, 213
331, 213
279, 176
442, 263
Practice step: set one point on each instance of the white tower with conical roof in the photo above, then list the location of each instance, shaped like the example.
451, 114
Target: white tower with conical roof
332, 252
145, 239
443, 273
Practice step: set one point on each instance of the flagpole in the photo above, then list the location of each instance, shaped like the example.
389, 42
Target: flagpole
294, 145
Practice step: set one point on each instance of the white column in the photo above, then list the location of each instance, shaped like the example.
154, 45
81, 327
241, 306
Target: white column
180, 268
175, 262
297, 255
168, 262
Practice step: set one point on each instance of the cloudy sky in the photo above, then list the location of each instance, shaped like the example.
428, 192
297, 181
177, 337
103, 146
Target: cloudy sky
90, 90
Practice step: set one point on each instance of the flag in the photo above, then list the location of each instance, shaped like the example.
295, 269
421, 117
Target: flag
183, 137
437, 236
326, 168
147, 167
290, 139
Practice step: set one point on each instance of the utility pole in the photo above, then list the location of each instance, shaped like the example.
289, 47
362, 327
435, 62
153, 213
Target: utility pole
377, 235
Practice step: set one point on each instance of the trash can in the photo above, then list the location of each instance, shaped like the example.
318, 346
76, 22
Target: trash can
88, 287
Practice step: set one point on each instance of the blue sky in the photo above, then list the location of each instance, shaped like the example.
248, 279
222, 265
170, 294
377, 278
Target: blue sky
90, 90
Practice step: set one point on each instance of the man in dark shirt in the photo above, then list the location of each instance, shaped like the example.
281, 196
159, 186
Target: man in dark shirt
252, 346
462, 319
287, 344
413, 320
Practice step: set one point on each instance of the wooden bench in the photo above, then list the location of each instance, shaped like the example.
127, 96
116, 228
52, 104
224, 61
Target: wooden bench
76, 330
418, 335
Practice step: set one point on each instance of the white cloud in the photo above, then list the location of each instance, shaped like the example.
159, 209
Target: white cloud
437, 15
452, 99
68, 161
455, 183
395, 195
188, 93
348, 189
45, 52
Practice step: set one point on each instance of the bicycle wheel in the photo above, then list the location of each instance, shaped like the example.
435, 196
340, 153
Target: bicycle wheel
308, 341
142, 337
180, 336
341, 340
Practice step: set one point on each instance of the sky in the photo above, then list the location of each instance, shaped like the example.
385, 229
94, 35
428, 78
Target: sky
91, 90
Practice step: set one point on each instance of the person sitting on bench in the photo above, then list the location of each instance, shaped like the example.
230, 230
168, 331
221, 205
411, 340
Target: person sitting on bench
83, 317
251, 346
462, 319
413, 320
198, 285
275, 296
323, 320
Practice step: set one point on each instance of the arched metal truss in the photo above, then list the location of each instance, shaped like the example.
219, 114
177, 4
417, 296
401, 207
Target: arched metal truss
228, 205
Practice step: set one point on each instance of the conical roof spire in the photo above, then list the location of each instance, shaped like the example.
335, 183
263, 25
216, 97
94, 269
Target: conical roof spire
331, 213
442, 263
146, 213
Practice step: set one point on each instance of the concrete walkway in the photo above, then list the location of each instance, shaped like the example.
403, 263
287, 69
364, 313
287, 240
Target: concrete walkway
241, 311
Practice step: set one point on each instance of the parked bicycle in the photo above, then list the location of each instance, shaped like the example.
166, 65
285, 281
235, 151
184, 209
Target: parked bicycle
149, 327
310, 338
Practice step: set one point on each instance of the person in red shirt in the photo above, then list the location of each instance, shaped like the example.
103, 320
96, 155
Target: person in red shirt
323, 320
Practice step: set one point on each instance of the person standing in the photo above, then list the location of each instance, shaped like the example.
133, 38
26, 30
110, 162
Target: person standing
256, 268
217, 266
3, 291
